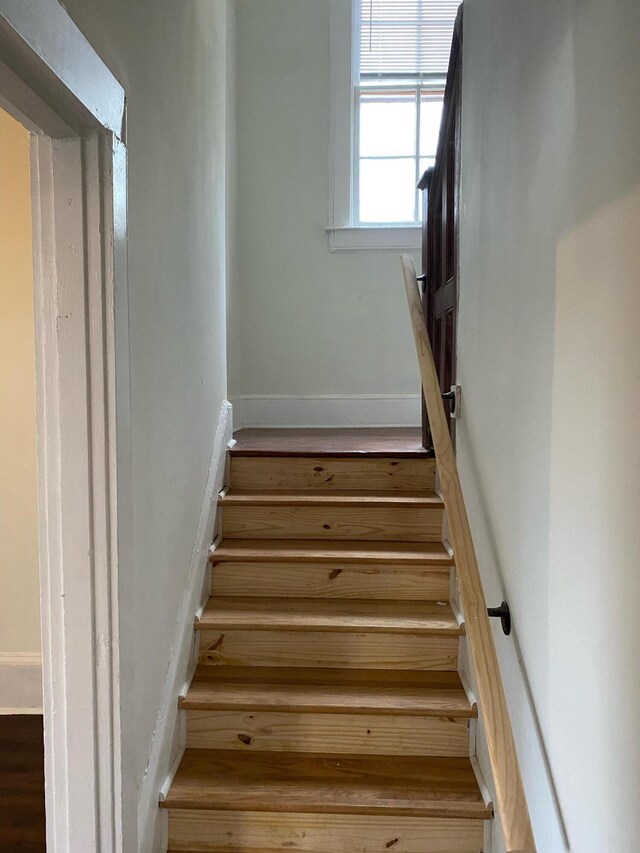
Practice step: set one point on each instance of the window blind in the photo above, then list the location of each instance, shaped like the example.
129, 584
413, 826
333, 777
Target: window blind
406, 38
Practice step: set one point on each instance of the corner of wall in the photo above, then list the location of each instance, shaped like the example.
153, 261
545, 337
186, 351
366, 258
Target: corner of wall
169, 734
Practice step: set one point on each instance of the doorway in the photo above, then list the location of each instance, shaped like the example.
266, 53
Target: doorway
57, 88
22, 821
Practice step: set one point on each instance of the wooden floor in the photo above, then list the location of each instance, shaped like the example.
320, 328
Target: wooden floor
374, 441
22, 824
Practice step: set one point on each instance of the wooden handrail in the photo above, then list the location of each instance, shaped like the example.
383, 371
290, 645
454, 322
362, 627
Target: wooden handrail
511, 802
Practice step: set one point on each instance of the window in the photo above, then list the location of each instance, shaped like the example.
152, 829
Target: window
389, 64
398, 129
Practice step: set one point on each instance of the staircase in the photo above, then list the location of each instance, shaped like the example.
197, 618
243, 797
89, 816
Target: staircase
327, 714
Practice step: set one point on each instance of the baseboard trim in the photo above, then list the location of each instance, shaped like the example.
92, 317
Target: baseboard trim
333, 410
170, 735
20, 683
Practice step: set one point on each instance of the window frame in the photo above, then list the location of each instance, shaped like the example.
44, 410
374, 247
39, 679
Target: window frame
419, 89
344, 233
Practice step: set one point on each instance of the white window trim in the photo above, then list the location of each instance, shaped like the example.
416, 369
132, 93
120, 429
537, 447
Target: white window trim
344, 236
382, 238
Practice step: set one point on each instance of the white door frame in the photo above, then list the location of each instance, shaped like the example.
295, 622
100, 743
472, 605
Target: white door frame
57, 86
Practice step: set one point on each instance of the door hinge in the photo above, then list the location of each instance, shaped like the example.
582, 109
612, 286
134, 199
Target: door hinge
453, 397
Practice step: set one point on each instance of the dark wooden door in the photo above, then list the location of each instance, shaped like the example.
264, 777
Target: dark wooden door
441, 193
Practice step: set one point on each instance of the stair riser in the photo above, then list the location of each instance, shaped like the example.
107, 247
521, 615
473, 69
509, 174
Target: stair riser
203, 831
320, 580
361, 734
401, 524
328, 649
332, 473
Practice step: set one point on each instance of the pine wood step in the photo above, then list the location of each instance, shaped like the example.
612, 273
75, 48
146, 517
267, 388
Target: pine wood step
314, 551
368, 441
256, 708
331, 649
351, 521
331, 580
336, 691
325, 784
305, 497
223, 850
345, 734
207, 831
424, 618
326, 473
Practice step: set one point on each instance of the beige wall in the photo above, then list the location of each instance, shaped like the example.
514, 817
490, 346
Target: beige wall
19, 581
549, 362
303, 321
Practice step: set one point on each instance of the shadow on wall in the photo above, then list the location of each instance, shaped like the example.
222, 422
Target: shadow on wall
594, 538
549, 362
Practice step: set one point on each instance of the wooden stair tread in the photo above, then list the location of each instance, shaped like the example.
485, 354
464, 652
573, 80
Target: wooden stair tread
359, 442
337, 551
300, 497
326, 784
424, 618
436, 694
335, 473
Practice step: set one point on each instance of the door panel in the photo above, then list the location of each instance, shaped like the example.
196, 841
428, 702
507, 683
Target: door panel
440, 256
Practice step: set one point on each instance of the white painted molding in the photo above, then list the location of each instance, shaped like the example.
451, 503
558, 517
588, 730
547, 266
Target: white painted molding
381, 238
29, 108
43, 29
169, 736
20, 659
341, 121
75, 109
79, 194
335, 410
13, 712
20, 682
168, 779
484, 791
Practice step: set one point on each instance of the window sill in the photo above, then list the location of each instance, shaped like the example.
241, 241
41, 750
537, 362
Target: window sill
376, 238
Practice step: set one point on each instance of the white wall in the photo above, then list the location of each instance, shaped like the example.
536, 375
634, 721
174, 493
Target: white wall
19, 580
171, 59
304, 322
549, 361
